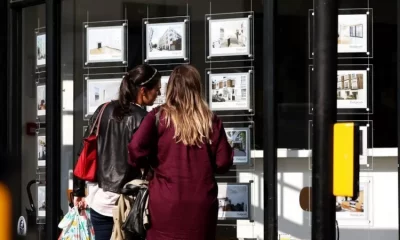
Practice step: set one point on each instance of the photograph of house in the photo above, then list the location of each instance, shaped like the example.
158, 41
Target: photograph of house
41, 49
229, 91
233, 201
229, 36
41, 100
346, 204
100, 91
348, 208
352, 89
41, 150
352, 33
165, 40
41, 201
239, 140
105, 44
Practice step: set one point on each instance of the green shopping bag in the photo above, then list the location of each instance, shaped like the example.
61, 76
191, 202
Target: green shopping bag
76, 225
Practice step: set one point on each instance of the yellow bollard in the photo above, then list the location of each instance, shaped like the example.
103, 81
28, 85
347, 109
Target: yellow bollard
6, 215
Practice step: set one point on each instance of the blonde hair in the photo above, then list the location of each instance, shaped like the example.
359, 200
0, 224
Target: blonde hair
185, 107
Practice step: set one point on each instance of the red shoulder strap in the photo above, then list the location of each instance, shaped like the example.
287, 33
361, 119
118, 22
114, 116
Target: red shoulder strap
98, 118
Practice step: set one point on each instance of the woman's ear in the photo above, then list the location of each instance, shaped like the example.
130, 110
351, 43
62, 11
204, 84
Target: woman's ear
142, 91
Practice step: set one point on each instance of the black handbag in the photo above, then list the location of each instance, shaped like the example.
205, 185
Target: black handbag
138, 220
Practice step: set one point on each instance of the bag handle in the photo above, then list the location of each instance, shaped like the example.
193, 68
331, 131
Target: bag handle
97, 121
101, 114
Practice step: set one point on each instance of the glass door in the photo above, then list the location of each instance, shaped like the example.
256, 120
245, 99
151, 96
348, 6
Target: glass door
30, 87
28, 94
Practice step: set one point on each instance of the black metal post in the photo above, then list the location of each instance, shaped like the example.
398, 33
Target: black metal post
53, 116
324, 103
398, 112
269, 130
3, 75
14, 110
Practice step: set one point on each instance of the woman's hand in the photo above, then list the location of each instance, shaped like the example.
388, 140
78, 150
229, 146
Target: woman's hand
80, 202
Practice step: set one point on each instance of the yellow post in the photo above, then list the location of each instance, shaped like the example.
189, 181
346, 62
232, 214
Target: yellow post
6, 215
346, 159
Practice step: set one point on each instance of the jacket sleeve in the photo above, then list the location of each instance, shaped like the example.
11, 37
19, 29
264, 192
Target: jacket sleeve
224, 151
79, 184
144, 142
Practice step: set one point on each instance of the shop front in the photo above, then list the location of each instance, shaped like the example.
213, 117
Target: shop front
260, 67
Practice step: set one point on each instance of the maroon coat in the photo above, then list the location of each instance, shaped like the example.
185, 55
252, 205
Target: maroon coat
183, 192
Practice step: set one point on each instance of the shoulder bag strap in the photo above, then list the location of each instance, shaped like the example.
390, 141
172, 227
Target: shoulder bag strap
98, 119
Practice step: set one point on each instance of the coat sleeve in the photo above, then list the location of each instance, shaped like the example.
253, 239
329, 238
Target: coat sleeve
143, 144
224, 151
79, 184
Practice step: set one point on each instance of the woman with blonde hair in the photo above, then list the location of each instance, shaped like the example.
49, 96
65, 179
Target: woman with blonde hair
186, 145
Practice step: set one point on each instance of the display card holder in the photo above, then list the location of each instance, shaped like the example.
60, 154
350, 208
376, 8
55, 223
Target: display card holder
355, 33
40, 49
105, 44
41, 148
241, 137
358, 213
163, 91
68, 95
166, 40
41, 174
99, 89
366, 142
230, 91
229, 37
353, 213
41, 102
41, 203
354, 89
234, 202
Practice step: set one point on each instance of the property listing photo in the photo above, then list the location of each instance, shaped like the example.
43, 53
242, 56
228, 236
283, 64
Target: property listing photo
41, 201
41, 151
41, 100
105, 44
40, 50
239, 139
352, 33
100, 91
229, 37
352, 89
346, 204
229, 91
233, 201
354, 210
165, 40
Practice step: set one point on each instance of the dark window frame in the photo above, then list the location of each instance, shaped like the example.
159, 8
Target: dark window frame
12, 123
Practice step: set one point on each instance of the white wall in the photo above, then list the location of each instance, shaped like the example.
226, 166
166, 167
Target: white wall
294, 174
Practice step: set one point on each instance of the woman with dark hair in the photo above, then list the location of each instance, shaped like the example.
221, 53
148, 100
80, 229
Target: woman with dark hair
185, 149
120, 119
